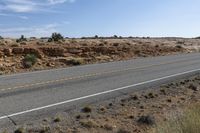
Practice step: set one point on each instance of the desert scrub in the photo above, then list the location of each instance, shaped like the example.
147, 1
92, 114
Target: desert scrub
75, 61
29, 60
87, 109
20, 130
57, 119
188, 122
55, 37
88, 123
147, 120
21, 39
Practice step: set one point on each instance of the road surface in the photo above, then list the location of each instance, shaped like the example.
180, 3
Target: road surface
28, 96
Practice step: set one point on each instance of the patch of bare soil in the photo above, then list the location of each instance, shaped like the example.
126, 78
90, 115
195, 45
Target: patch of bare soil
131, 113
71, 52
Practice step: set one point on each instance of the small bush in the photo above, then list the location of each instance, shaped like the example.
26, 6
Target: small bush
197, 37
57, 119
21, 39
193, 87
19, 130
1, 37
45, 129
163, 91
169, 100
75, 61
151, 95
135, 97
78, 117
55, 37
4, 131
96, 36
89, 124
115, 36
179, 46
29, 60
87, 109
148, 120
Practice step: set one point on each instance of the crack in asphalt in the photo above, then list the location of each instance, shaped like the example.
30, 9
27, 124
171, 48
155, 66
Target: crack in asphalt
10, 119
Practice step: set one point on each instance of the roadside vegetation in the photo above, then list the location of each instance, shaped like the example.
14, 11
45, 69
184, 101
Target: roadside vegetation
170, 108
182, 122
29, 60
21, 39
197, 37
57, 51
55, 37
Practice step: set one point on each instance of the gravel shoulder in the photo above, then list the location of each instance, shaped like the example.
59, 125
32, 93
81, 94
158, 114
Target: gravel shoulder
137, 112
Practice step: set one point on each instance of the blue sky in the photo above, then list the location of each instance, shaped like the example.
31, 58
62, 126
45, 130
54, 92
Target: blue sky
77, 18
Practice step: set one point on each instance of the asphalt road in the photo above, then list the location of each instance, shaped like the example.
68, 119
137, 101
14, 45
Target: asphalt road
28, 96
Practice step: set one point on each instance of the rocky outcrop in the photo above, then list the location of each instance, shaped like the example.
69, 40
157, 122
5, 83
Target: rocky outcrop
53, 51
77, 52
7, 51
24, 51
1, 54
18, 51
34, 51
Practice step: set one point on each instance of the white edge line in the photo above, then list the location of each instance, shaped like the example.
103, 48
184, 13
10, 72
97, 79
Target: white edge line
96, 94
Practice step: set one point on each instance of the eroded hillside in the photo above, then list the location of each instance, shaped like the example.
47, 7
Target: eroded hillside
70, 52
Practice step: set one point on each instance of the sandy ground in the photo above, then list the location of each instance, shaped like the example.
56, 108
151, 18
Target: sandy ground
72, 52
138, 112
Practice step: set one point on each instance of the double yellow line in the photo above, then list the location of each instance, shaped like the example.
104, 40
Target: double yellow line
90, 75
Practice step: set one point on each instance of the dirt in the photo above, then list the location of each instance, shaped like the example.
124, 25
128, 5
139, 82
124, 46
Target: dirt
70, 52
138, 112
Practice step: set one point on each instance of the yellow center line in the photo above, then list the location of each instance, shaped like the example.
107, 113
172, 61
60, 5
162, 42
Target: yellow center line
87, 75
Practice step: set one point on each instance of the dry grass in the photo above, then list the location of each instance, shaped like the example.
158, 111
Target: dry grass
188, 122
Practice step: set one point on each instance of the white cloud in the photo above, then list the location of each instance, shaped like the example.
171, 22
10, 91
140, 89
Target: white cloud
24, 6
37, 31
23, 17
20, 8
56, 1
15, 16
30, 31
65, 22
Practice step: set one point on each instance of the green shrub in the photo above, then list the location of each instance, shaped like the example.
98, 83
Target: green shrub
29, 60
21, 39
1, 37
115, 36
197, 37
55, 37
96, 36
